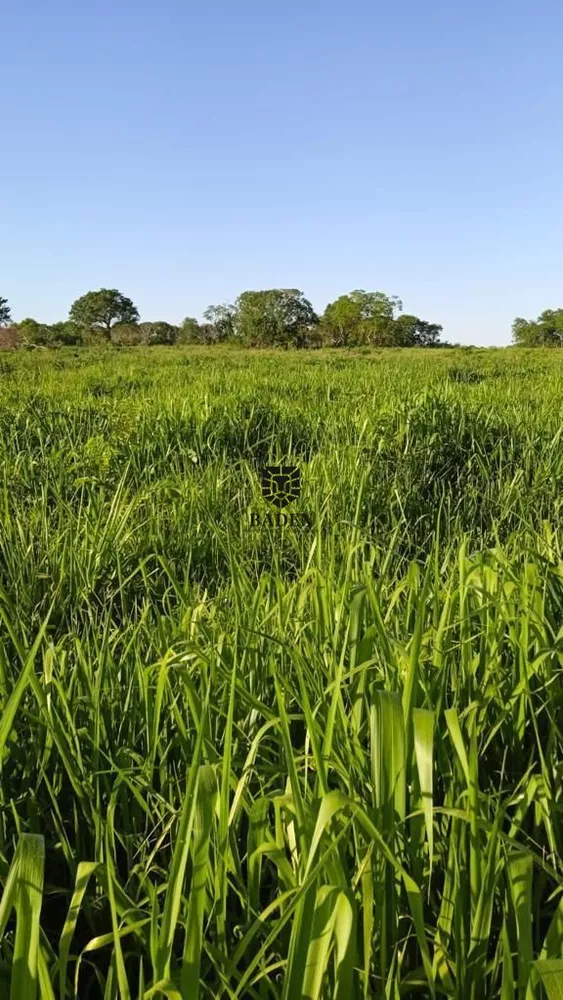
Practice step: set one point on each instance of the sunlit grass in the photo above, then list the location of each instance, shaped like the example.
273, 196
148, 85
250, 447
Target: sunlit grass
318, 761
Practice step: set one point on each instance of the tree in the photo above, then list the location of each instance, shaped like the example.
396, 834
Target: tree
428, 334
222, 319
158, 333
275, 316
32, 332
361, 318
65, 333
126, 334
373, 318
100, 311
410, 331
525, 332
545, 331
342, 321
42, 335
551, 323
5, 314
210, 334
193, 332
189, 332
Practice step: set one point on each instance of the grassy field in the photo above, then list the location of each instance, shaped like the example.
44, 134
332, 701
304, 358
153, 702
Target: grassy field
321, 760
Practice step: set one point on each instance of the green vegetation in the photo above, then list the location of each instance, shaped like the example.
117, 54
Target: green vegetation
545, 331
5, 314
274, 317
102, 310
272, 763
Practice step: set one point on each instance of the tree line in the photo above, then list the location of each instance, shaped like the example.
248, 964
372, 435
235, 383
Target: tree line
545, 331
275, 317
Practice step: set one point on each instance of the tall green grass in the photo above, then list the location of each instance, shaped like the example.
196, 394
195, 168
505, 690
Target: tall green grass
311, 761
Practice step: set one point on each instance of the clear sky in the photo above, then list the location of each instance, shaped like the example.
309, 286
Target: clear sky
184, 152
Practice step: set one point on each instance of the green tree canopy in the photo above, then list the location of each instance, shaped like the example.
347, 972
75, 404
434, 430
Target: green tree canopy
194, 332
33, 332
220, 323
43, 335
410, 331
267, 317
189, 332
275, 316
361, 318
65, 332
126, 334
545, 331
158, 333
102, 310
5, 314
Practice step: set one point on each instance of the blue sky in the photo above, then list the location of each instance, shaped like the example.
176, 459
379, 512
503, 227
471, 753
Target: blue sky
183, 152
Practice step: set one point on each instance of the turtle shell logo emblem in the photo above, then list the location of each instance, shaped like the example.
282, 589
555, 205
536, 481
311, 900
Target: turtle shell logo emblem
281, 484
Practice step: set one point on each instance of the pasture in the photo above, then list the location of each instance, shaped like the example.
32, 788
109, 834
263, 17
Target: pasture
322, 759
